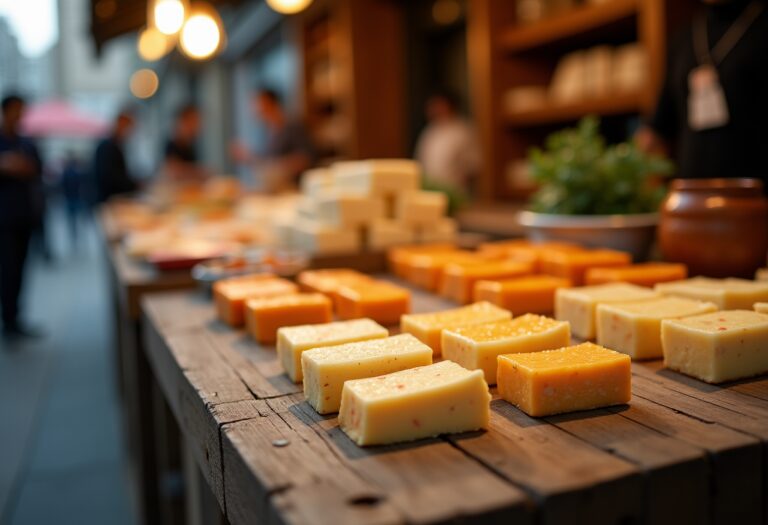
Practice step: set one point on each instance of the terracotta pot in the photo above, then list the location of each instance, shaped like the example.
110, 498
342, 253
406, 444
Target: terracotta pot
718, 227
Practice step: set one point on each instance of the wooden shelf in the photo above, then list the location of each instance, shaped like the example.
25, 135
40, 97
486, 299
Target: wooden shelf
612, 105
575, 22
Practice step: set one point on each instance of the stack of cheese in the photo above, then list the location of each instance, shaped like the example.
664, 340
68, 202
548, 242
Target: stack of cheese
371, 204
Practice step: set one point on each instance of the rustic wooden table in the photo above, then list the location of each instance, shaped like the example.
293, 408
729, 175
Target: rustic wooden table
680, 452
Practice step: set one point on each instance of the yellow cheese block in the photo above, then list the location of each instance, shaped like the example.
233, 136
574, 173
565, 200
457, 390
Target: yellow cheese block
578, 306
263, 317
761, 307
379, 300
326, 369
413, 404
229, 295
727, 294
384, 234
441, 230
646, 274
398, 258
573, 265
381, 177
426, 270
344, 210
635, 328
567, 379
330, 280
458, 280
292, 341
429, 327
320, 239
530, 294
476, 347
420, 208
717, 347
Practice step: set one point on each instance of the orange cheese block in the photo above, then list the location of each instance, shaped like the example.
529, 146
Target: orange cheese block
574, 265
229, 295
426, 270
458, 280
398, 257
526, 251
263, 316
329, 281
378, 300
530, 294
647, 274
573, 378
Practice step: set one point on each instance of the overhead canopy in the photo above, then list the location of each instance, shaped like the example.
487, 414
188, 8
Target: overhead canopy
57, 118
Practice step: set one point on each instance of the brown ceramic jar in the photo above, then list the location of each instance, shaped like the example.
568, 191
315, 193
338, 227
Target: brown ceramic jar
718, 227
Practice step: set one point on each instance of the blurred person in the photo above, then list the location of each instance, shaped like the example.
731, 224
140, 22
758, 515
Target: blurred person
110, 171
712, 108
72, 177
447, 147
180, 162
20, 174
288, 151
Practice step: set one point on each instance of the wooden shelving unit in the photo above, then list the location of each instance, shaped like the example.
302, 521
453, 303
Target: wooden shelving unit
505, 53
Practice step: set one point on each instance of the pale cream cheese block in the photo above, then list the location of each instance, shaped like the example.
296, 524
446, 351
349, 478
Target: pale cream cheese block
420, 207
761, 307
727, 294
306, 209
578, 306
635, 328
428, 327
382, 177
348, 210
316, 182
319, 239
386, 233
477, 347
292, 341
326, 368
717, 347
442, 230
418, 403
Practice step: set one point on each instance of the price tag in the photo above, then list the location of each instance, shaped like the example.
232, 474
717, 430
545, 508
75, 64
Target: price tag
707, 107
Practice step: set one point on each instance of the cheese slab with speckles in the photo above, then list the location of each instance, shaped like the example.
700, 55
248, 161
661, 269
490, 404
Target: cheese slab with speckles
727, 294
422, 402
326, 369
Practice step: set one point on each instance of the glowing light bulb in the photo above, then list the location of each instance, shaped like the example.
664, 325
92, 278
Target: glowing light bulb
168, 16
144, 83
202, 34
152, 44
288, 7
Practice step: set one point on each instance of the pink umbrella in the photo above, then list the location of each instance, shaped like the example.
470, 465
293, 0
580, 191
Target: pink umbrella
58, 118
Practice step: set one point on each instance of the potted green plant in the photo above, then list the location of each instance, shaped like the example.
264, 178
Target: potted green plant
593, 193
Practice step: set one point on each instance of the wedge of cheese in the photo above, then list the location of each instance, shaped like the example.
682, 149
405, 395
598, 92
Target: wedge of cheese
428, 327
329, 281
292, 341
348, 210
717, 347
531, 294
476, 347
727, 294
263, 317
646, 274
326, 369
565, 380
229, 295
379, 300
421, 402
578, 306
319, 239
441, 230
761, 307
399, 258
385, 233
635, 328
420, 208
382, 177
573, 265
458, 280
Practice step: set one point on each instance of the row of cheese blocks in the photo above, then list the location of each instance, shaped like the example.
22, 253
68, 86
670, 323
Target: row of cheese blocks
387, 389
701, 327
376, 204
503, 273
265, 302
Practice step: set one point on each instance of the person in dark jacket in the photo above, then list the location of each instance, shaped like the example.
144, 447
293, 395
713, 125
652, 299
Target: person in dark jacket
111, 174
20, 173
